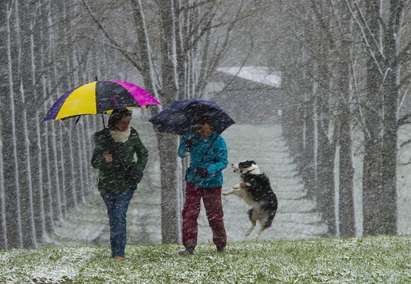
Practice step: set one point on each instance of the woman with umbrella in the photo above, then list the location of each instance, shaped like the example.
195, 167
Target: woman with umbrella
204, 179
199, 122
115, 146
119, 173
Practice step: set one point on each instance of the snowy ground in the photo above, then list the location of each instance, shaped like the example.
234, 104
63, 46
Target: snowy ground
296, 217
368, 260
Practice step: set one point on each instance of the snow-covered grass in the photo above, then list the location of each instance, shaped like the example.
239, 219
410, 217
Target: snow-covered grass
369, 260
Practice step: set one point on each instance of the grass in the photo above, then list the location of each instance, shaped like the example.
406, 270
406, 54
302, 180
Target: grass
369, 260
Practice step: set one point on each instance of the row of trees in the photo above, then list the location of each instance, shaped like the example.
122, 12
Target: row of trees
49, 47
344, 79
340, 63
44, 166
176, 47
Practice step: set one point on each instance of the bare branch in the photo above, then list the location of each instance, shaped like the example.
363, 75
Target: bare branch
202, 32
405, 54
405, 143
194, 6
110, 38
239, 70
370, 33
42, 101
368, 48
323, 25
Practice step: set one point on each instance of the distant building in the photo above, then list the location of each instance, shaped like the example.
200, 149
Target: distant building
250, 94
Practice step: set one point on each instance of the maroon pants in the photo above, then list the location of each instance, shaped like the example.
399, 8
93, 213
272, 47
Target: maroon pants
214, 209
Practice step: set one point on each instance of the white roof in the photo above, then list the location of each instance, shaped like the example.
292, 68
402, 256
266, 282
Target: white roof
259, 74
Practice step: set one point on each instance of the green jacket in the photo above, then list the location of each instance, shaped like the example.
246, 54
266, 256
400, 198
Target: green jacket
112, 176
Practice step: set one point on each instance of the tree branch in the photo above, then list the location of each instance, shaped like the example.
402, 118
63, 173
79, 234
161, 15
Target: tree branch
110, 38
368, 48
323, 26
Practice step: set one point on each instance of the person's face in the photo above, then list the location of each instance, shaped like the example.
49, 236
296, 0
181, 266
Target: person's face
205, 130
123, 124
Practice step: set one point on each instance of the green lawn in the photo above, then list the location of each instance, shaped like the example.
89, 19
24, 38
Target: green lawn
370, 260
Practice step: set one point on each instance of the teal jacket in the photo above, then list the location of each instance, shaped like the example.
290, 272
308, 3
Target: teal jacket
210, 154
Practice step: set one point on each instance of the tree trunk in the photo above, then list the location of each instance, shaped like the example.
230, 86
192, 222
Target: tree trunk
309, 147
325, 181
308, 161
24, 91
325, 145
180, 55
346, 178
11, 172
65, 146
4, 92
56, 191
372, 164
388, 200
170, 210
45, 140
35, 117
167, 143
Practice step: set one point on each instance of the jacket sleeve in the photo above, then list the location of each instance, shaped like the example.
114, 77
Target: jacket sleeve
142, 153
97, 160
182, 148
220, 159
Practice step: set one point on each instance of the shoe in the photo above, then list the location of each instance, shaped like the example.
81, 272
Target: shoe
186, 251
119, 258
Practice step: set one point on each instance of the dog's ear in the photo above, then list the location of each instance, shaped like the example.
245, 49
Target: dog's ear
246, 164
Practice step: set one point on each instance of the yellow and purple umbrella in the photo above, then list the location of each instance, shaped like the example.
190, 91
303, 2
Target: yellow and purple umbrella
100, 97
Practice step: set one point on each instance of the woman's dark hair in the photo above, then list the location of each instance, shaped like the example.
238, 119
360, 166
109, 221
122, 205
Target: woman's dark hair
206, 119
116, 116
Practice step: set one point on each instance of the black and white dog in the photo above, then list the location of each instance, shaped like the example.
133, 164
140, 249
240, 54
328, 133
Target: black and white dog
256, 191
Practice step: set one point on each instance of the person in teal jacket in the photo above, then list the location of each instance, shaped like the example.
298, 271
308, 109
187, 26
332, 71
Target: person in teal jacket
204, 180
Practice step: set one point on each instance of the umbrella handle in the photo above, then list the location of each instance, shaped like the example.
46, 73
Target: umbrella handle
77, 119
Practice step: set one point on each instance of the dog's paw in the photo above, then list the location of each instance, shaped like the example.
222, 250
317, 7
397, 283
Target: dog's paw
248, 233
226, 193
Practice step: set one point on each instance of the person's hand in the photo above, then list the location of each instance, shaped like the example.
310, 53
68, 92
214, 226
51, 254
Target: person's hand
108, 157
133, 174
189, 144
202, 172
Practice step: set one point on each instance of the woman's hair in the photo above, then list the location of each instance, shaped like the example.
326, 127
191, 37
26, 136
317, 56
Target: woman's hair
206, 119
116, 116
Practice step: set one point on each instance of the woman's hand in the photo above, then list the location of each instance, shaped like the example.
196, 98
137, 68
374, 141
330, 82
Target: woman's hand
189, 145
202, 172
108, 157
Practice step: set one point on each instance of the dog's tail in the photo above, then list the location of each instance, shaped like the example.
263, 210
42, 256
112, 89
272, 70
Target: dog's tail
272, 211
250, 215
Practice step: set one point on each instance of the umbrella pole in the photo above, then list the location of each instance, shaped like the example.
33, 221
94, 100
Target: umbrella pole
102, 118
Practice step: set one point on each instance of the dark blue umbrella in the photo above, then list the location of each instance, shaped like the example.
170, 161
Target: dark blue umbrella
182, 115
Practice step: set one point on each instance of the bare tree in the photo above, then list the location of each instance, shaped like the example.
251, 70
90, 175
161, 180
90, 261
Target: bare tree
346, 177
4, 89
383, 42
